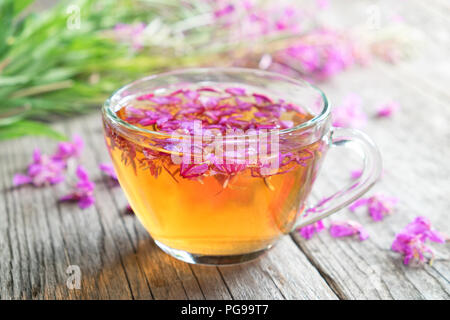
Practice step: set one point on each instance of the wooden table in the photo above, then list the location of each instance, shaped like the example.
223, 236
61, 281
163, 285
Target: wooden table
40, 238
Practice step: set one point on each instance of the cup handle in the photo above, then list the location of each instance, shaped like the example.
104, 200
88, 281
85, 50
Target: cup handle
367, 149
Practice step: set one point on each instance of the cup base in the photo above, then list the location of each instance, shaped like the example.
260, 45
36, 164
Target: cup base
211, 260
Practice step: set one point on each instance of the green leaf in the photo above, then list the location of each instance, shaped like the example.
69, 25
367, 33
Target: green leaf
20, 5
25, 127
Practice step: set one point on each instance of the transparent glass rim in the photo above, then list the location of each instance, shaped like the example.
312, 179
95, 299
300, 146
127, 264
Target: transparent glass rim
112, 116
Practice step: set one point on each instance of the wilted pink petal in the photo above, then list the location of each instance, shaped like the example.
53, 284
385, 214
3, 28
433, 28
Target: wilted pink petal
387, 109
378, 205
43, 170
147, 96
224, 11
411, 241
20, 179
192, 170
348, 228
318, 55
355, 174
422, 226
358, 203
130, 33
83, 191
308, 231
66, 150
286, 124
108, 168
86, 202
260, 98
350, 113
235, 91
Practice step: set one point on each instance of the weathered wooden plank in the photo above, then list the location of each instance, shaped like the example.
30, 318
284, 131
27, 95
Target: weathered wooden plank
116, 256
284, 273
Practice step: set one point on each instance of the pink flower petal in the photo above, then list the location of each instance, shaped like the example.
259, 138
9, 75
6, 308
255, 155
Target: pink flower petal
308, 231
411, 241
388, 109
350, 113
348, 228
108, 168
20, 179
355, 174
378, 205
235, 91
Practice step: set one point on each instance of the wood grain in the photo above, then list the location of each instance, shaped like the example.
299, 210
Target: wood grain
40, 238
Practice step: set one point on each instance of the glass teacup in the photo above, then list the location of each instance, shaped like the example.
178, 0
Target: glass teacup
218, 163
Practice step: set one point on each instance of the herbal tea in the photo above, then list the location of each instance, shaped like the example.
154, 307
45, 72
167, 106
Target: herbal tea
214, 176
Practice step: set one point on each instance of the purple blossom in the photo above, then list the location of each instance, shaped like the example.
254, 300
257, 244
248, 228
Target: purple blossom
387, 109
224, 11
130, 34
249, 20
84, 190
319, 55
193, 170
66, 150
144, 97
422, 226
322, 4
348, 228
43, 170
308, 231
350, 113
378, 205
235, 91
261, 99
411, 240
355, 174
108, 168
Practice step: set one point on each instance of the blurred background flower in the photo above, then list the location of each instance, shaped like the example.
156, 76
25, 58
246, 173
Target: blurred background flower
58, 58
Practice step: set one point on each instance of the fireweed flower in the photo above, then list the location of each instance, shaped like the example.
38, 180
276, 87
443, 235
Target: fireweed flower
130, 34
247, 20
350, 113
316, 56
66, 150
46, 169
308, 231
386, 110
43, 170
378, 205
213, 113
83, 191
355, 174
411, 241
108, 169
347, 229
